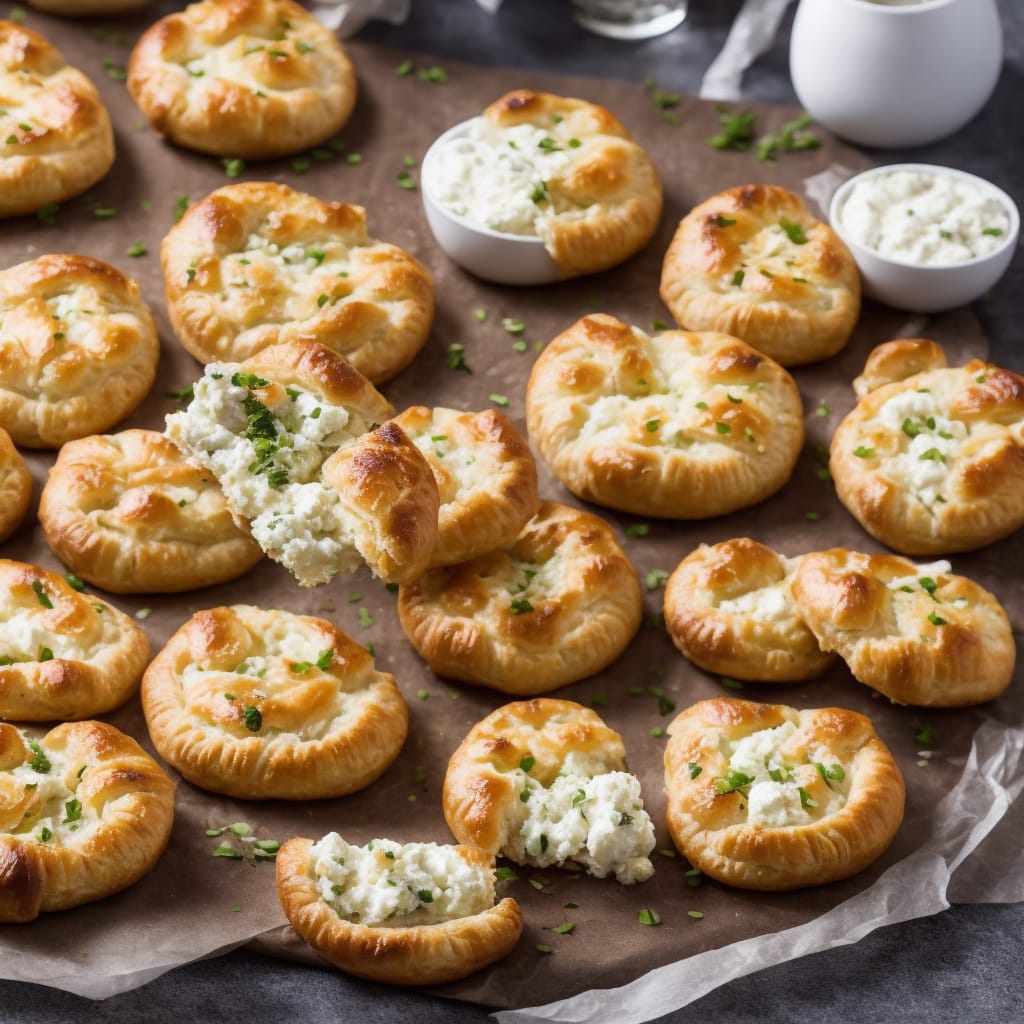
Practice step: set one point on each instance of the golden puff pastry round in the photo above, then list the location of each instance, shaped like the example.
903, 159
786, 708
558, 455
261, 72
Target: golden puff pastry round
916, 633
258, 264
763, 796
15, 486
557, 605
573, 177
752, 262
298, 442
544, 782
265, 704
680, 425
486, 477
84, 812
933, 462
56, 131
78, 349
128, 514
404, 914
63, 654
242, 78
729, 608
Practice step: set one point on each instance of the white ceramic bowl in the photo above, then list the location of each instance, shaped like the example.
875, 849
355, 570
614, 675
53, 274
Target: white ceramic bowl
923, 288
493, 255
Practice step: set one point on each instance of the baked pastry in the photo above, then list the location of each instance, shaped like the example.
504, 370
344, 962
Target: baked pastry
242, 78
486, 477
730, 609
679, 425
544, 782
78, 349
265, 704
259, 264
555, 168
933, 462
56, 130
916, 633
84, 813
763, 796
127, 513
15, 486
897, 360
63, 654
412, 914
753, 262
297, 441
558, 604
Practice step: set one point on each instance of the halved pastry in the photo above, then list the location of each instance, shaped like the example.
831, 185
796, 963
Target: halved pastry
127, 513
679, 425
405, 914
933, 462
78, 349
753, 262
763, 796
300, 444
729, 608
555, 168
15, 486
84, 813
486, 476
558, 604
916, 633
261, 704
56, 135
544, 782
259, 264
63, 654
242, 78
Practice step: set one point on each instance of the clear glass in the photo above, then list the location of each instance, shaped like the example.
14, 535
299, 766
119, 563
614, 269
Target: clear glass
629, 19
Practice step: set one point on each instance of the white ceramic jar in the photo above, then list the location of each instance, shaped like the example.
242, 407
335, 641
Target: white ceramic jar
904, 75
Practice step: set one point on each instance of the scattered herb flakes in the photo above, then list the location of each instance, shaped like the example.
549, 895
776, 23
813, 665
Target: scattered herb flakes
527, 762
794, 232
456, 358
499, 400
599, 699
74, 582
638, 530
694, 878
659, 325
791, 138
406, 181
812, 516
233, 166
520, 606
138, 249
512, 325
695, 915
101, 212
184, 394
434, 74
47, 213
480, 315
649, 916
694, 769
823, 409
114, 70
730, 684
505, 874
301, 164
365, 618
17, 15
565, 928
39, 762
736, 131
252, 717
668, 854
923, 735
542, 948
655, 579
659, 733
863, 452
41, 596
405, 68
652, 426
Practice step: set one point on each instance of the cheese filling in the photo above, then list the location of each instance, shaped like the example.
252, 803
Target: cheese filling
587, 815
393, 885
37, 799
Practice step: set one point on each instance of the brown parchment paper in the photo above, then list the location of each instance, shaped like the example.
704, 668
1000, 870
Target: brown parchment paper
193, 905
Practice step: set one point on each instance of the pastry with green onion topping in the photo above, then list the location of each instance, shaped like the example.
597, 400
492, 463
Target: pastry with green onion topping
405, 914
266, 704
63, 654
84, 813
763, 796
919, 634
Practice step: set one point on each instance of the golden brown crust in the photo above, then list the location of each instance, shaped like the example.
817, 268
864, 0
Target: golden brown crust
486, 477
95, 820
729, 608
431, 954
78, 349
295, 724
833, 840
897, 360
752, 262
918, 634
679, 425
934, 462
15, 486
606, 202
63, 139
480, 788
259, 264
559, 604
71, 655
128, 514
242, 78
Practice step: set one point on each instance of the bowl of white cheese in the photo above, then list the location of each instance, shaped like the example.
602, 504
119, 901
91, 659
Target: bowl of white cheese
926, 238
482, 197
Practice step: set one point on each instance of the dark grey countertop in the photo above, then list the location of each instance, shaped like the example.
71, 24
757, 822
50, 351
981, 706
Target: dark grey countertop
963, 965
